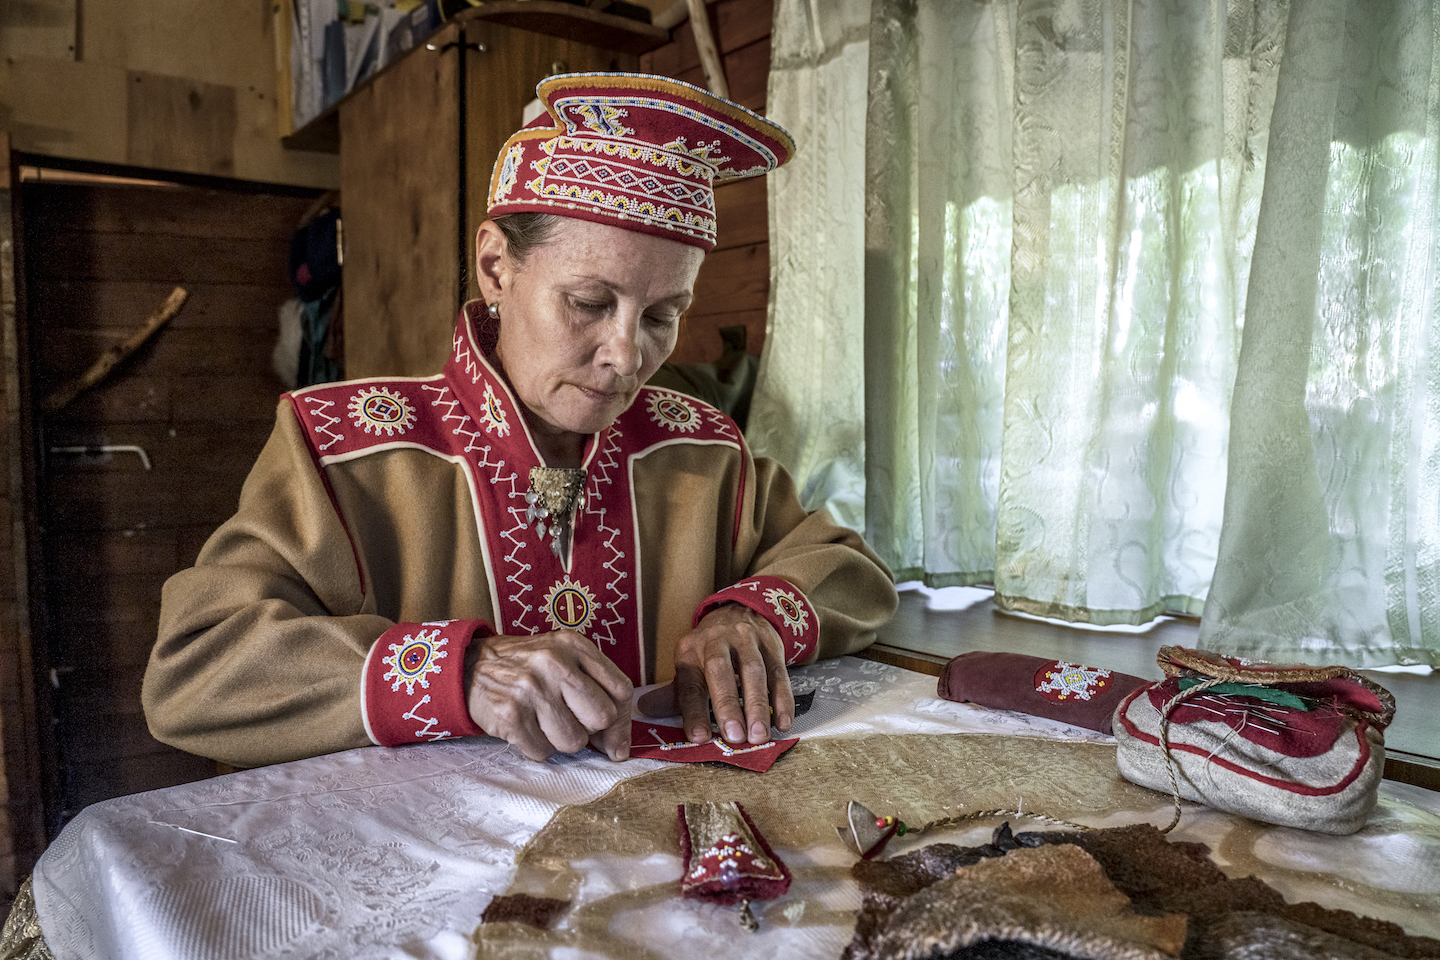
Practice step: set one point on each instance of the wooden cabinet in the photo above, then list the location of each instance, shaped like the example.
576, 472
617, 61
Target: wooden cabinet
410, 214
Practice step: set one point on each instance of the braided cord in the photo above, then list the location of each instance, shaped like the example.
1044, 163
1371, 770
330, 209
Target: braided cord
987, 814
1170, 764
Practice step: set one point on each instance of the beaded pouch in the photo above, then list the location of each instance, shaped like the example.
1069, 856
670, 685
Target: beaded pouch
1294, 745
727, 861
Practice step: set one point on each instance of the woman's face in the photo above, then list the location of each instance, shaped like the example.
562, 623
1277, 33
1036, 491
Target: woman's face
585, 319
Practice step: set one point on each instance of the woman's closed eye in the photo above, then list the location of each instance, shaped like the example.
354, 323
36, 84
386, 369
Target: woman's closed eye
589, 306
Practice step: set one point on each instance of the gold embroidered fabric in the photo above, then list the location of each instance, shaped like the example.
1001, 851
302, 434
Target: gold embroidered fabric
21, 938
798, 806
921, 777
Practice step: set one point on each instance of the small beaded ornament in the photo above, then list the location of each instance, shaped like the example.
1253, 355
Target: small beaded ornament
726, 859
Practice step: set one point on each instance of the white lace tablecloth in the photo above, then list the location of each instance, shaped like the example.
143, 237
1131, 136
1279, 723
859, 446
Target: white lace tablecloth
395, 852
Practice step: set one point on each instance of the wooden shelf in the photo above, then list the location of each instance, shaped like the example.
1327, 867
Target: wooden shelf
548, 17
570, 22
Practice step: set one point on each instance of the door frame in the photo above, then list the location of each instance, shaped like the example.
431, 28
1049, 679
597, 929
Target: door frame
28, 724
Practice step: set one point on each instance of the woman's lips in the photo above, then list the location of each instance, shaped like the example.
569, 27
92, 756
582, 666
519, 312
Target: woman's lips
602, 396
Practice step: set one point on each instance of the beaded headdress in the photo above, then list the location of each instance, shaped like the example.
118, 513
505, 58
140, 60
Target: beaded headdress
634, 151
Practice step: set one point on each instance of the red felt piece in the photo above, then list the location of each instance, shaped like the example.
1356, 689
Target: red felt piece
659, 741
1054, 689
1282, 729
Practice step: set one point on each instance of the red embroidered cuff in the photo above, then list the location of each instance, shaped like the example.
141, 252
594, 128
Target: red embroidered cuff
413, 686
780, 602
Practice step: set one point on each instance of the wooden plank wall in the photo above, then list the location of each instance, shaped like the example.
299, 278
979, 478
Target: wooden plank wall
734, 284
21, 829
199, 399
514, 61
169, 84
398, 139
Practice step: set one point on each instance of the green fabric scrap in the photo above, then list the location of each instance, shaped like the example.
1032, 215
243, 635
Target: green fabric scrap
1281, 698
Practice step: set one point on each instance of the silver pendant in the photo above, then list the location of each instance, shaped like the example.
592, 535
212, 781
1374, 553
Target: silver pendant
555, 498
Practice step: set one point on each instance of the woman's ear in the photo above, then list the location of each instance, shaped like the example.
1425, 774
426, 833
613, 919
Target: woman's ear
492, 266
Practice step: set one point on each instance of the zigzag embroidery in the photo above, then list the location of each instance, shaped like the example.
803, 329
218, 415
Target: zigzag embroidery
317, 409
462, 356
459, 421
605, 463
472, 437
428, 730
723, 425
514, 535
583, 169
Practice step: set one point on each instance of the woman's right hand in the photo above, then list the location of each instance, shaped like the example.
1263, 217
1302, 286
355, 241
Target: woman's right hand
549, 692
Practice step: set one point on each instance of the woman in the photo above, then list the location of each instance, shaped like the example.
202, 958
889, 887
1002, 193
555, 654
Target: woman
510, 546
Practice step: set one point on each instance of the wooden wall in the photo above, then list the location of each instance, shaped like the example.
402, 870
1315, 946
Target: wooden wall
21, 833
199, 399
163, 84
398, 139
167, 84
734, 284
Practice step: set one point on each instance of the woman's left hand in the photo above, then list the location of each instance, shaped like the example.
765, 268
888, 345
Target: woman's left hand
730, 641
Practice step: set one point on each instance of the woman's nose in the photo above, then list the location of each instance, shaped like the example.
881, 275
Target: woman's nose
621, 348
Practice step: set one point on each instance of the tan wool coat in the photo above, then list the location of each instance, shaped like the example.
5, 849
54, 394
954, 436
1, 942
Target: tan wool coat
380, 510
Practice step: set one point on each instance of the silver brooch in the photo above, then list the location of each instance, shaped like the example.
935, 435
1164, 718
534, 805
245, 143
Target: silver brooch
555, 497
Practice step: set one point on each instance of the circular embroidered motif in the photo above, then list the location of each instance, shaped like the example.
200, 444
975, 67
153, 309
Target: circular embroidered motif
673, 413
413, 659
790, 609
1063, 682
492, 414
570, 606
509, 171
381, 409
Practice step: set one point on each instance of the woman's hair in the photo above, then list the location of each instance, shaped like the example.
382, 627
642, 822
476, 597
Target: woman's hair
525, 232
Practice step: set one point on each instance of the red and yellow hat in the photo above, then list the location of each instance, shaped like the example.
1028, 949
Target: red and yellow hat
634, 151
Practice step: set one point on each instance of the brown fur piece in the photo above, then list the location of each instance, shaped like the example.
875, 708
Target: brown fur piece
1167, 877
903, 876
950, 901
1141, 863
888, 883
538, 912
1260, 936
1229, 919
1054, 897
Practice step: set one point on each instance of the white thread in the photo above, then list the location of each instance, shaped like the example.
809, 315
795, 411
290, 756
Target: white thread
317, 409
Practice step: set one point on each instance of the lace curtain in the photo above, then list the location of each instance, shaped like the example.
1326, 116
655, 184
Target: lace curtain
1013, 261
